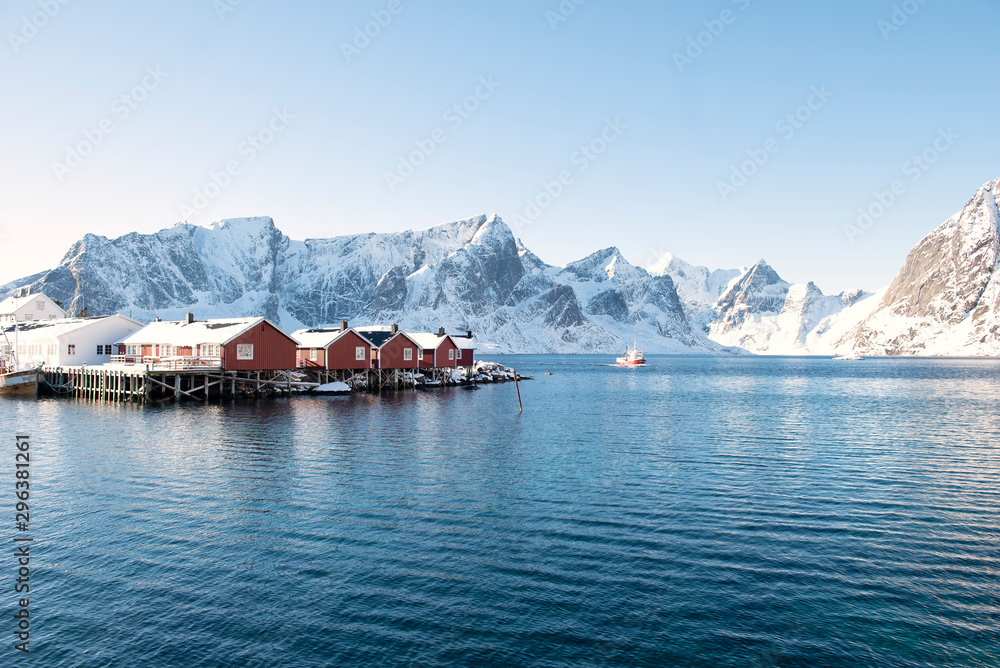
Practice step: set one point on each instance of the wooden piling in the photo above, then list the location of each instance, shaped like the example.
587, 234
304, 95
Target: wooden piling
518, 388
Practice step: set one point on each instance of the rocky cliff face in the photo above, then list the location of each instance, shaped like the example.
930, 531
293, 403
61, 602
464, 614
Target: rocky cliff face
946, 298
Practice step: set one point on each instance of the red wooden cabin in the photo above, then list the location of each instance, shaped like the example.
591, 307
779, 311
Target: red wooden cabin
233, 344
394, 349
341, 349
439, 350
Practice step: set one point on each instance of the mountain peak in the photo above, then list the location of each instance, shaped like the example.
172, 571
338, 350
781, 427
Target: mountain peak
494, 232
242, 224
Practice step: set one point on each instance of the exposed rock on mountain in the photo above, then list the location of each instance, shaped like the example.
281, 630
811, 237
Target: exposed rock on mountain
946, 298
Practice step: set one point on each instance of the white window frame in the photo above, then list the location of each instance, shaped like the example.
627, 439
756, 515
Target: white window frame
244, 351
451, 354
359, 353
407, 354
313, 354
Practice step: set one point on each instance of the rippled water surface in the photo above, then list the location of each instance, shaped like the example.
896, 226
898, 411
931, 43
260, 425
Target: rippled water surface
698, 512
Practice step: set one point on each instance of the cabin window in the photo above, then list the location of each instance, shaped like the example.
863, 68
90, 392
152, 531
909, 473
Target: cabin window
40, 306
359, 354
451, 354
244, 351
71, 349
313, 353
407, 354
27, 316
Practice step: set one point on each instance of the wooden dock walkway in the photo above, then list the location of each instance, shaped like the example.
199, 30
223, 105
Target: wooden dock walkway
150, 385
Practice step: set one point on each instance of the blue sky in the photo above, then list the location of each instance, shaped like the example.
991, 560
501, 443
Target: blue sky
161, 97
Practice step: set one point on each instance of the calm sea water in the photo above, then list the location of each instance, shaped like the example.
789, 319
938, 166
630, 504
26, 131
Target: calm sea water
698, 512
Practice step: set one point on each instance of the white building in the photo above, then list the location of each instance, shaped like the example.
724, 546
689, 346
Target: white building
29, 308
66, 341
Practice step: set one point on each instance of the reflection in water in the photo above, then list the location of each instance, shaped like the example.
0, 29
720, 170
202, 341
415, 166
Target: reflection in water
700, 511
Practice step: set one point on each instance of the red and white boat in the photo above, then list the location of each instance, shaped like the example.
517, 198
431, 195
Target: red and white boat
633, 357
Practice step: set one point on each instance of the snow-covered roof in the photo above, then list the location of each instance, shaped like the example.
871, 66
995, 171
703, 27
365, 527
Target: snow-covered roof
428, 341
181, 333
58, 327
321, 338
464, 342
9, 305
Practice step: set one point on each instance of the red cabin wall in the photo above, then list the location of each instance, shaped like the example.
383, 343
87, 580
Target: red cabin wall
304, 358
442, 354
342, 354
184, 351
466, 359
391, 354
273, 350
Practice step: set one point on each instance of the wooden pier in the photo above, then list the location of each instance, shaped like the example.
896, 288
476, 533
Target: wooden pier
145, 385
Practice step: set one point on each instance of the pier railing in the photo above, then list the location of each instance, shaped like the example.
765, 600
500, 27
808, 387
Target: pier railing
177, 363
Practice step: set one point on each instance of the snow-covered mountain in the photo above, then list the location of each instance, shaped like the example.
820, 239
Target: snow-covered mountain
764, 314
469, 274
946, 298
944, 301
473, 274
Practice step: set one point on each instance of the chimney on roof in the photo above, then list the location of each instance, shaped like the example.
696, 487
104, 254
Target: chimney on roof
189, 318
468, 333
159, 319
395, 328
440, 331
343, 325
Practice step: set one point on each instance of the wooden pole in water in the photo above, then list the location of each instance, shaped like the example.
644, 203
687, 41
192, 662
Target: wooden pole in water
518, 388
